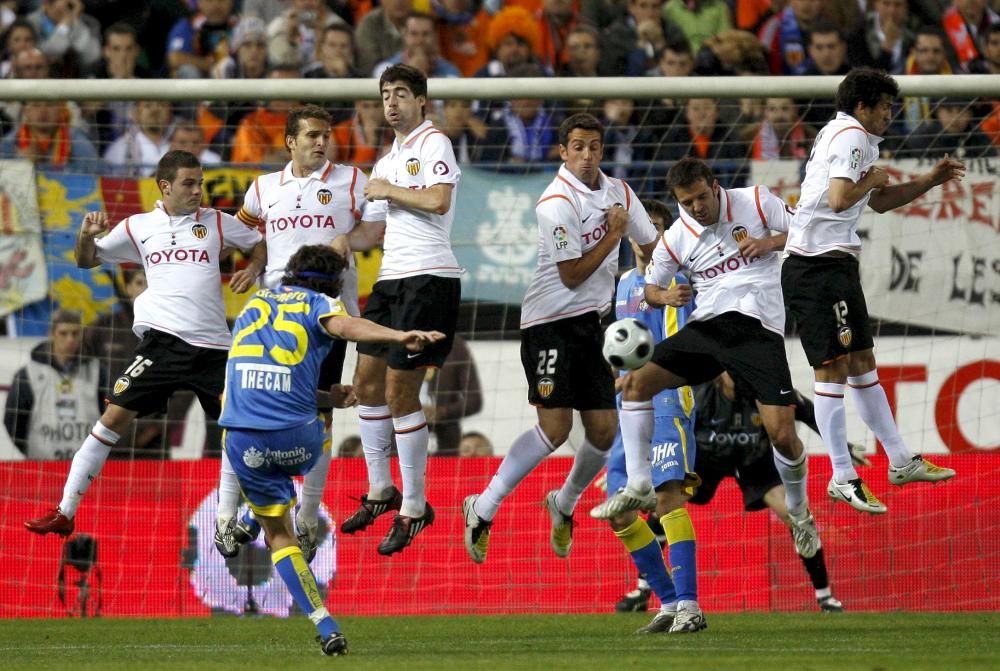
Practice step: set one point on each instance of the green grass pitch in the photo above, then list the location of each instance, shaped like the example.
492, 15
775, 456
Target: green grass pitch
744, 642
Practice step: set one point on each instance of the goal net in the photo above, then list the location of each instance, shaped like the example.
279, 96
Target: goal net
143, 542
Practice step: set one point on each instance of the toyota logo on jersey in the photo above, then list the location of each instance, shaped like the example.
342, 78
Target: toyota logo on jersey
413, 166
324, 196
199, 231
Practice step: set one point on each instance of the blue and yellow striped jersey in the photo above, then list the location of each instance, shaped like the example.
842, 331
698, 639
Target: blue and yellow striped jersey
630, 301
274, 362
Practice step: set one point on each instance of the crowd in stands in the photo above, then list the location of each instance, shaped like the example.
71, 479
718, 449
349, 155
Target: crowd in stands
333, 39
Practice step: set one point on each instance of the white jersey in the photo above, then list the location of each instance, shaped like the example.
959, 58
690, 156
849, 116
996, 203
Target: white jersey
842, 149
296, 211
572, 220
723, 279
417, 242
181, 258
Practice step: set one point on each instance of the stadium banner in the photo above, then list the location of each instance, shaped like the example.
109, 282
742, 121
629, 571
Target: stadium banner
23, 275
148, 528
933, 263
495, 235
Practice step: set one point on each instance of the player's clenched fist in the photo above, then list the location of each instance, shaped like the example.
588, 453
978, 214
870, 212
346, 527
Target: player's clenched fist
94, 223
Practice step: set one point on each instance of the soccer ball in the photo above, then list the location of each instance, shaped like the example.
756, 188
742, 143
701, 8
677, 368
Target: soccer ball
628, 343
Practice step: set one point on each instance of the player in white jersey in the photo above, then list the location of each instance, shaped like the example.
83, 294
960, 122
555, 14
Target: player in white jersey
180, 318
310, 201
822, 285
582, 217
413, 189
723, 241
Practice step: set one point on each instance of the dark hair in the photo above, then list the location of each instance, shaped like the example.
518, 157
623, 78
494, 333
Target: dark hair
423, 16
338, 28
414, 79
129, 274
660, 209
17, 23
930, 31
581, 121
315, 267
172, 161
864, 86
686, 172
678, 46
824, 28
586, 30
121, 28
305, 112
992, 30
63, 316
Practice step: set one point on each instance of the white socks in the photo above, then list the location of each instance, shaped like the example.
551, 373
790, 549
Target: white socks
873, 408
229, 491
313, 484
636, 420
831, 418
793, 476
411, 443
587, 463
375, 427
86, 466
525, 453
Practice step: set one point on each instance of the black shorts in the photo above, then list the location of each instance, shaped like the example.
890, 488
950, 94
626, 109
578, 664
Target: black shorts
564, 366
733, 342
164, 364
824, 295
756, 477
421, 302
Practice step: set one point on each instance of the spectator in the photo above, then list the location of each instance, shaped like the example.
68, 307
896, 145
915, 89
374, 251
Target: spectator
249, 52
675, 60
475, 444
884, 39
513, 38
702, 135
463, 26
196, 44
828, 56
362, 139
781, 133
989, 64
465, 130
928, 57
140, 148
521, 130
729, 54
451, 393
30, 63
583, 53
293, 36
17, 37
188, 136
555, 19
380, 33
55, 400
350, 447
420, 32
46, 137
111, 339
630, 44
625, 141
335, 56
784, 36
265, 10
109, 120
951, 132
70, 39
965, 23
260, 136
698, 19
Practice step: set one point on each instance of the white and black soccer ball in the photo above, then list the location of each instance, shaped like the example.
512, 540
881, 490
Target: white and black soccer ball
628, 343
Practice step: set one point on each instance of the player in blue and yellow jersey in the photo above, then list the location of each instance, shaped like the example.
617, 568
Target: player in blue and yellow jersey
672, 454
273, 428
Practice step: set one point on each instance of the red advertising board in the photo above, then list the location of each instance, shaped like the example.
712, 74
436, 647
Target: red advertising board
937, 548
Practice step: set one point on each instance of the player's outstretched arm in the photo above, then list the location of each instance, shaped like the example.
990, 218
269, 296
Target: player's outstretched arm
94, 223
890, 197
844, 194
366, 235
358, 329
